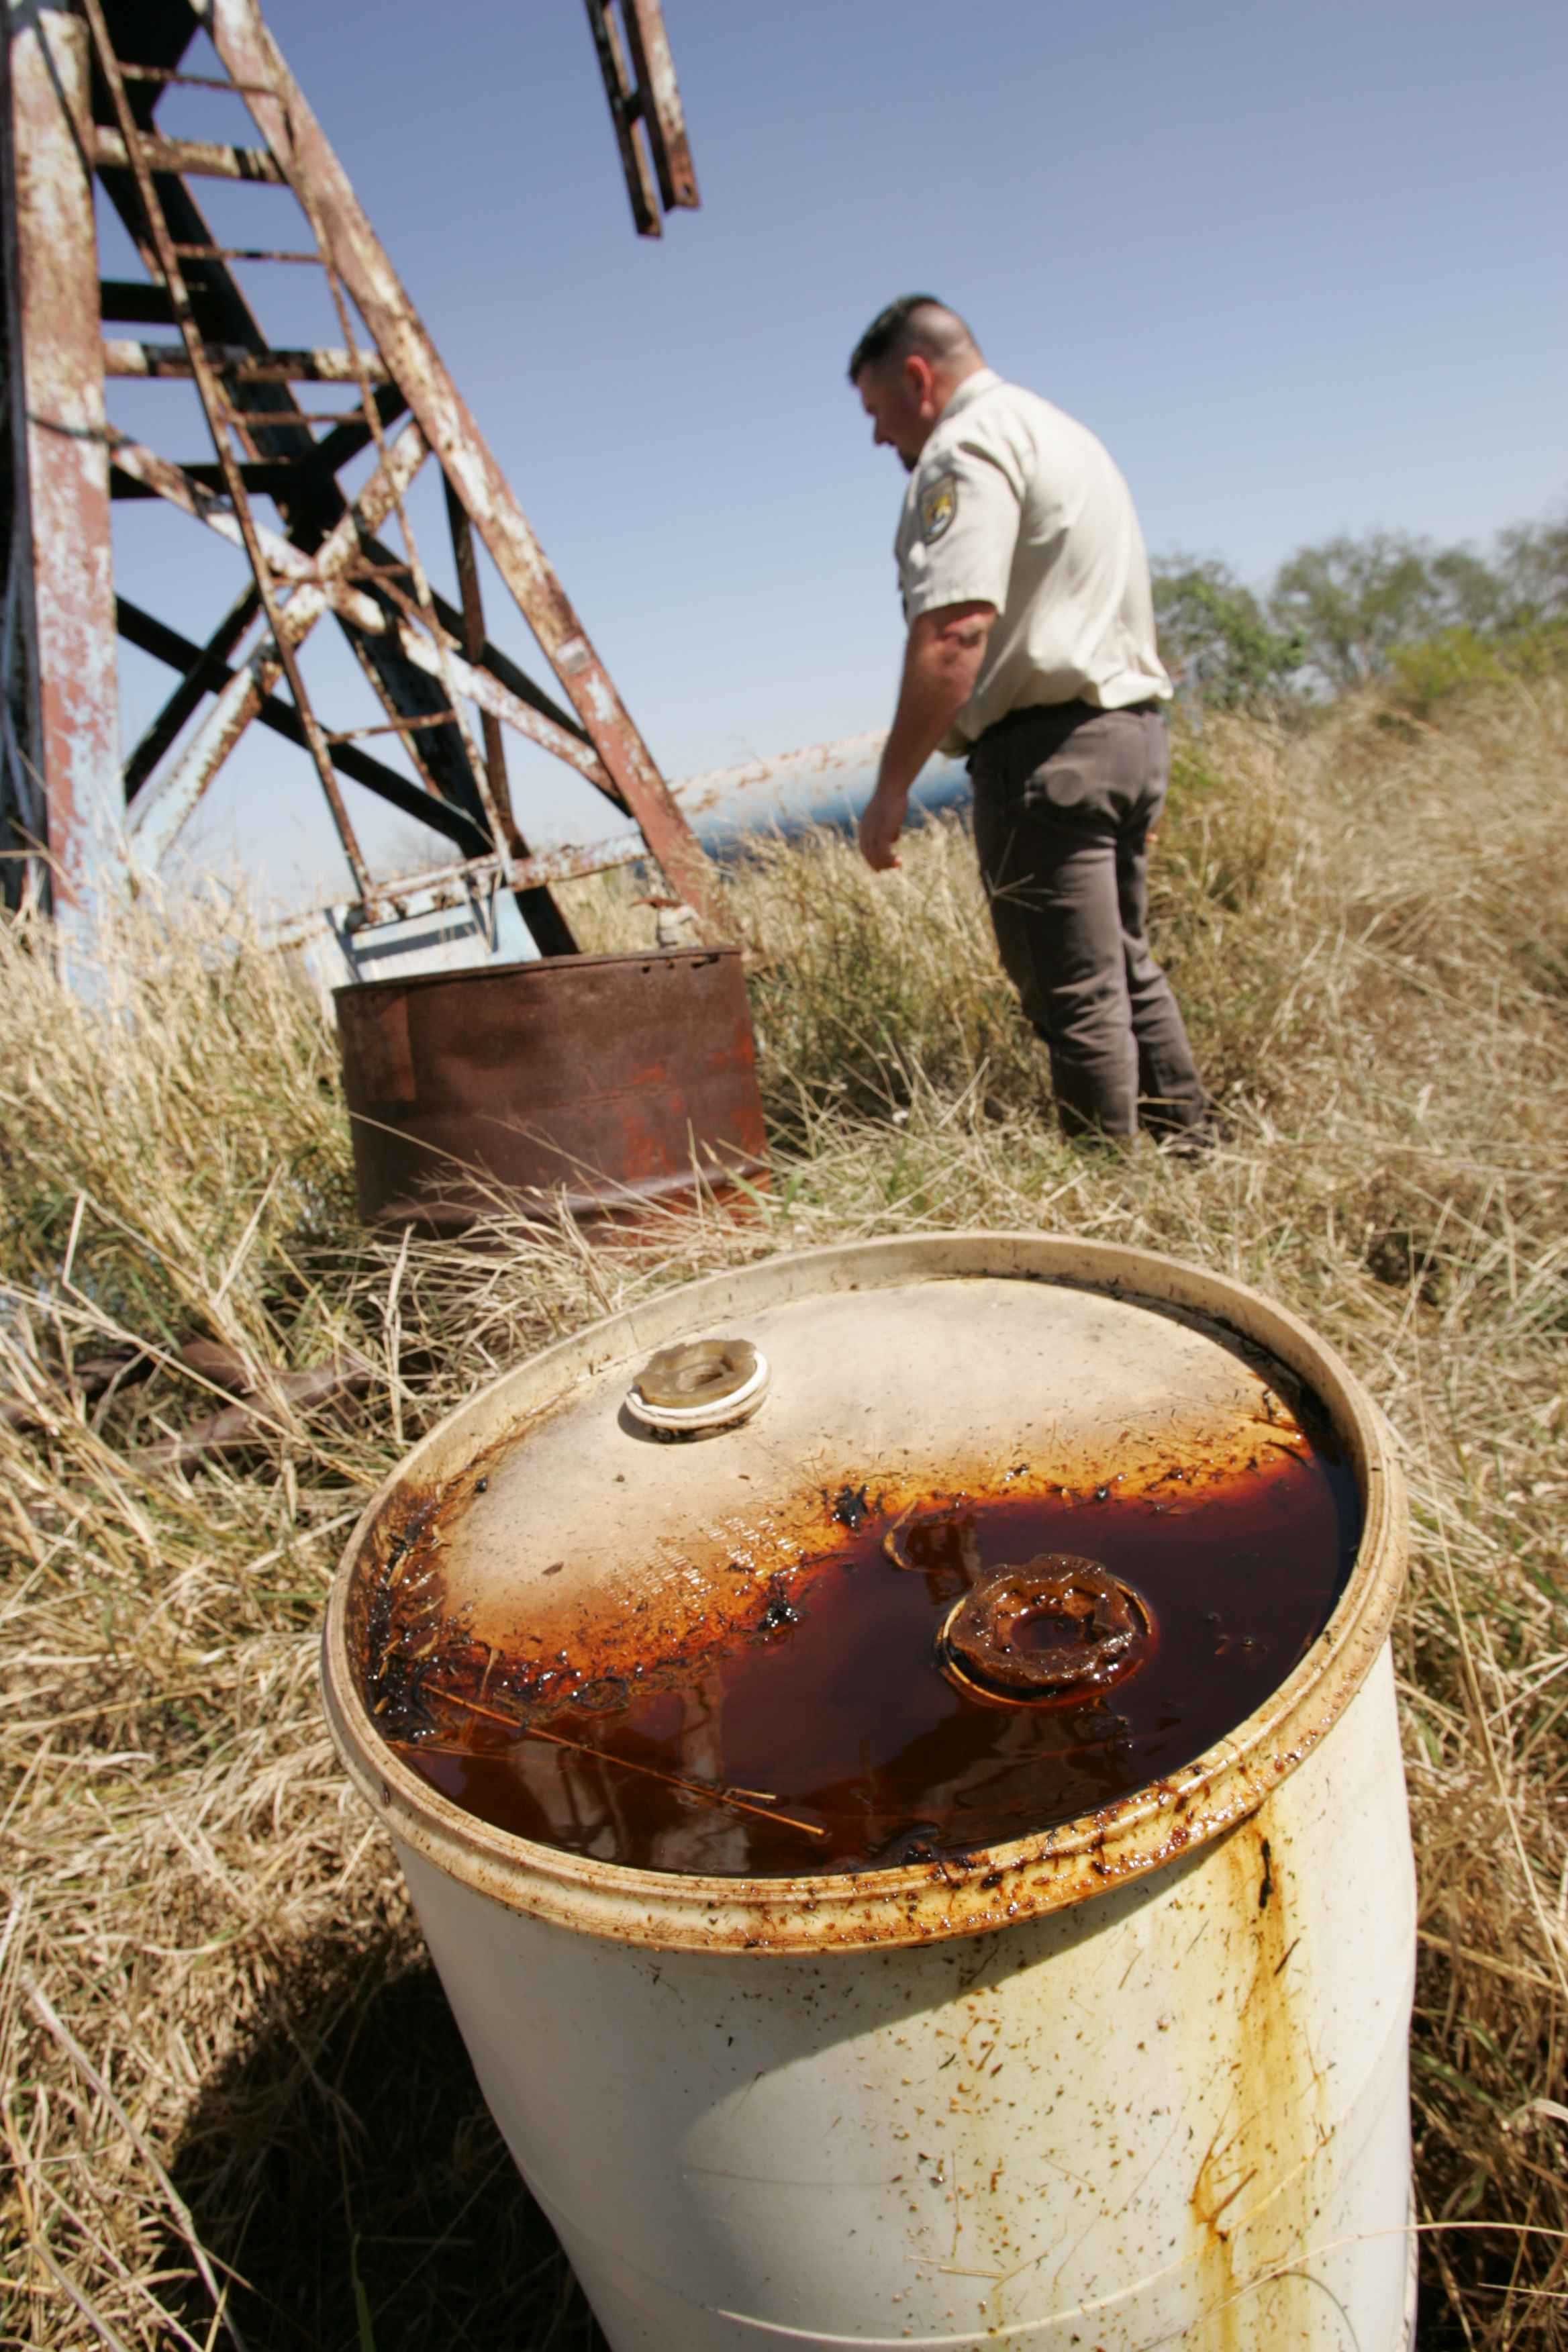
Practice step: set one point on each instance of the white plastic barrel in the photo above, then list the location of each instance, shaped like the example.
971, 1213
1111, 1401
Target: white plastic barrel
1137, 2080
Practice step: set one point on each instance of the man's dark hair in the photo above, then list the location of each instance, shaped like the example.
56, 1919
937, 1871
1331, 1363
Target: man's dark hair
915, 322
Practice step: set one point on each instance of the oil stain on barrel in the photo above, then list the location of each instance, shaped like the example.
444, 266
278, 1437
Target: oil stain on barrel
823, 1733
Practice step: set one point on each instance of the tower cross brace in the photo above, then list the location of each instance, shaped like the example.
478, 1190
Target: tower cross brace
83, 81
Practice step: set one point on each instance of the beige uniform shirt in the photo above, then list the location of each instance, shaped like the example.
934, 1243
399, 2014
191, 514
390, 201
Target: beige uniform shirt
1013, 504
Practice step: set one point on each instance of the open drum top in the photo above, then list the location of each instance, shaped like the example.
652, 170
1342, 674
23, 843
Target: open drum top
690, 1659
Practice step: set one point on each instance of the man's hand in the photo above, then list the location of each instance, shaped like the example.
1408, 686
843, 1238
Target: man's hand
881, 822
942, 662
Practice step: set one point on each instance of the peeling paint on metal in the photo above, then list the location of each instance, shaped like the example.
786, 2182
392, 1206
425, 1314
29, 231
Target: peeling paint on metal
57, 393
297, 140
204, 158
125, 357
663, 108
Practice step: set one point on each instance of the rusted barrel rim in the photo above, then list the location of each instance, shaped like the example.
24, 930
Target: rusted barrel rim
918, 1901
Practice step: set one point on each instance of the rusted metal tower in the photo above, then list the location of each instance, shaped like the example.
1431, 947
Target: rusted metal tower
79, 105
645, 107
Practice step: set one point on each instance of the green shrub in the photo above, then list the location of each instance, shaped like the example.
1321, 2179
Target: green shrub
1426, 672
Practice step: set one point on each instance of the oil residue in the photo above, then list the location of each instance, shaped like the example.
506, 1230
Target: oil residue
825, 1737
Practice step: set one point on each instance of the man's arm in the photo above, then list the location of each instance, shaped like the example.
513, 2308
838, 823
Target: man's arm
942, 662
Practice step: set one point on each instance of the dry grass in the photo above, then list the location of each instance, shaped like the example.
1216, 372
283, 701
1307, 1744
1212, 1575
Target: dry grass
224, 2052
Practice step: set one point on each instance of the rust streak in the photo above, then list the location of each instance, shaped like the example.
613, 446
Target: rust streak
63, 744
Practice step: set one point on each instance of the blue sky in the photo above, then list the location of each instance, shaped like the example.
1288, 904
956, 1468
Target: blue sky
1302, 270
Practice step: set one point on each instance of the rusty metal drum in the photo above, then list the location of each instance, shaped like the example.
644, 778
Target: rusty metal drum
608, 1082
1126, 2069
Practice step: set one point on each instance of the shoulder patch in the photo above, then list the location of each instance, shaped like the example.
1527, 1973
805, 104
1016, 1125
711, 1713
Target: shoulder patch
939, 504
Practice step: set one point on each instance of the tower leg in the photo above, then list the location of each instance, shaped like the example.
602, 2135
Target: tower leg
61, 766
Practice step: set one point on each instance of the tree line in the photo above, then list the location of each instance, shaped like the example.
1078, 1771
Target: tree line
1352, 611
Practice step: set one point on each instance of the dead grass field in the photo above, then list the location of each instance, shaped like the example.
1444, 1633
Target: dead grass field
233, 2107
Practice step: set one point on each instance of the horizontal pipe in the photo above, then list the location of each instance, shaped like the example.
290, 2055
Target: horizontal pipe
819, 783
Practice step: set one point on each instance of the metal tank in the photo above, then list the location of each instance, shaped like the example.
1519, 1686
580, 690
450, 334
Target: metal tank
1134, 2078
607, 1081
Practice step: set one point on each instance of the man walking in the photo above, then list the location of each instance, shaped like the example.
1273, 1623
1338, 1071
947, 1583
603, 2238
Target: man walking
1031, 650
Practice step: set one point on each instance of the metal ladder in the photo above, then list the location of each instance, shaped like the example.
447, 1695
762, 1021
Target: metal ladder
81, 103
164, 256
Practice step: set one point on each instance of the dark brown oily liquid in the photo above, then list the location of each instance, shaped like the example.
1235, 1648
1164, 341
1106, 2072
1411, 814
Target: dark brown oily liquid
836, 1711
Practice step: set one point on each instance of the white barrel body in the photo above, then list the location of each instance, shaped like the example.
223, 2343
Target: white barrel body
1174, 2113
1136, 2080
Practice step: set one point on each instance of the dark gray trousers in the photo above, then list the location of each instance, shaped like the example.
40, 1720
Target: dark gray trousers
1064, 800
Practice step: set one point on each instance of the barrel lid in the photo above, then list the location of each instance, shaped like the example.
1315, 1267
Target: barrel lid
570, 1526
546, 1514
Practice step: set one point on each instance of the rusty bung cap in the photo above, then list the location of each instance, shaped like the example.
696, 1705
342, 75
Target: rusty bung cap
699, 1385
1056, 1628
